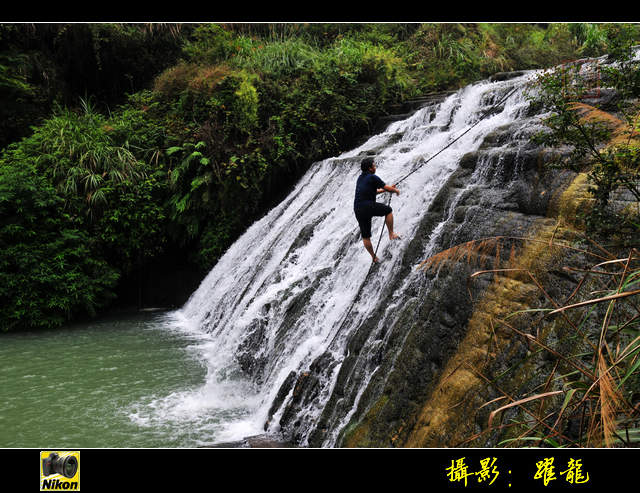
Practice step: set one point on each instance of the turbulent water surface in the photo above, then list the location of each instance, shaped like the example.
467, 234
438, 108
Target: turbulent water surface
119, 382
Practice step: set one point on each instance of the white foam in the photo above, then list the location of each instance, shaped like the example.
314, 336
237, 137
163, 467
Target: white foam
255, 280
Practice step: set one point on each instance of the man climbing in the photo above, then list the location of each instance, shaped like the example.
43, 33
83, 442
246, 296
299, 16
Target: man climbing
365, 205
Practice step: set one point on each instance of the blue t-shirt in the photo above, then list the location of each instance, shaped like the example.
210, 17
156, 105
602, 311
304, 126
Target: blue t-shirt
366, 188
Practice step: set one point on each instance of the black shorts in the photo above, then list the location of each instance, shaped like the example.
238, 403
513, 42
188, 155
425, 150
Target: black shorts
366, 211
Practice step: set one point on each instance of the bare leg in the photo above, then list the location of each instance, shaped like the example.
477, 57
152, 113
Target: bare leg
389, 222
369, 248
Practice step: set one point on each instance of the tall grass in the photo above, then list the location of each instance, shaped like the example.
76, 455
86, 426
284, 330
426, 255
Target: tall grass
83, 162
278, 58
591, 395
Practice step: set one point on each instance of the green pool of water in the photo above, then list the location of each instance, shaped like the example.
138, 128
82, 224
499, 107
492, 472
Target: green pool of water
128, 381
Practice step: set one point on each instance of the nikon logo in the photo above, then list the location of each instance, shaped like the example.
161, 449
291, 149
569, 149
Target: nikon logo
56, 484
59, 471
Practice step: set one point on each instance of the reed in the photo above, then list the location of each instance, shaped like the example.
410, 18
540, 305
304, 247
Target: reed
591, 395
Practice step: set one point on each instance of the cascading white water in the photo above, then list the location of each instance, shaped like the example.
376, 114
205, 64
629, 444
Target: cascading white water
283, 288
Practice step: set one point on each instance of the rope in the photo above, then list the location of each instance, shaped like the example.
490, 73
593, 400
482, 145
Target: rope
484, 115
363, 282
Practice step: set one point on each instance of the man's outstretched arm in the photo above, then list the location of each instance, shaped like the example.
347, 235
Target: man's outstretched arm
388, 188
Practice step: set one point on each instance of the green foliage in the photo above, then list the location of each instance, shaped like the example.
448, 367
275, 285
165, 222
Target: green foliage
132, 231
13, 84
277, 59
610, 167
47, 271
61, 62
342, 90
620, 38
210, 93
185, 77
451, 55
138, 127
20, 99
591, 38
210, 199
106, 214
209, 44
75, 152
190, 181
237, 99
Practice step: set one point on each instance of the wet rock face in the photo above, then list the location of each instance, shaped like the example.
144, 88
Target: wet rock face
304, 389
500, 76
256, 441
248, 354
252, 354
406, 109
500, 190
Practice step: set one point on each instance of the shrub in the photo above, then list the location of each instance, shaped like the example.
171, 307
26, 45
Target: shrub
75, 153
201, 79
106, 206
603, 145
47, 271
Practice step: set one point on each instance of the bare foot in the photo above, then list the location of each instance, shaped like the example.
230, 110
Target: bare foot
394, 236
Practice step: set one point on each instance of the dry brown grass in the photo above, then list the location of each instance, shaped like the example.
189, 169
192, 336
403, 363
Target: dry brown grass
598, 394
197, 78
593, 383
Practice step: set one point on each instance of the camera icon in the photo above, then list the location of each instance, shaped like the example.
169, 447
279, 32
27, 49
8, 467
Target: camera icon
54, 464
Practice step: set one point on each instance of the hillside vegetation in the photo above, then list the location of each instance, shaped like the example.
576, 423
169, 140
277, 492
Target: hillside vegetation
132, 152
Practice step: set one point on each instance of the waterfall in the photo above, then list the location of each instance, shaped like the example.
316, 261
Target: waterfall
274, 305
